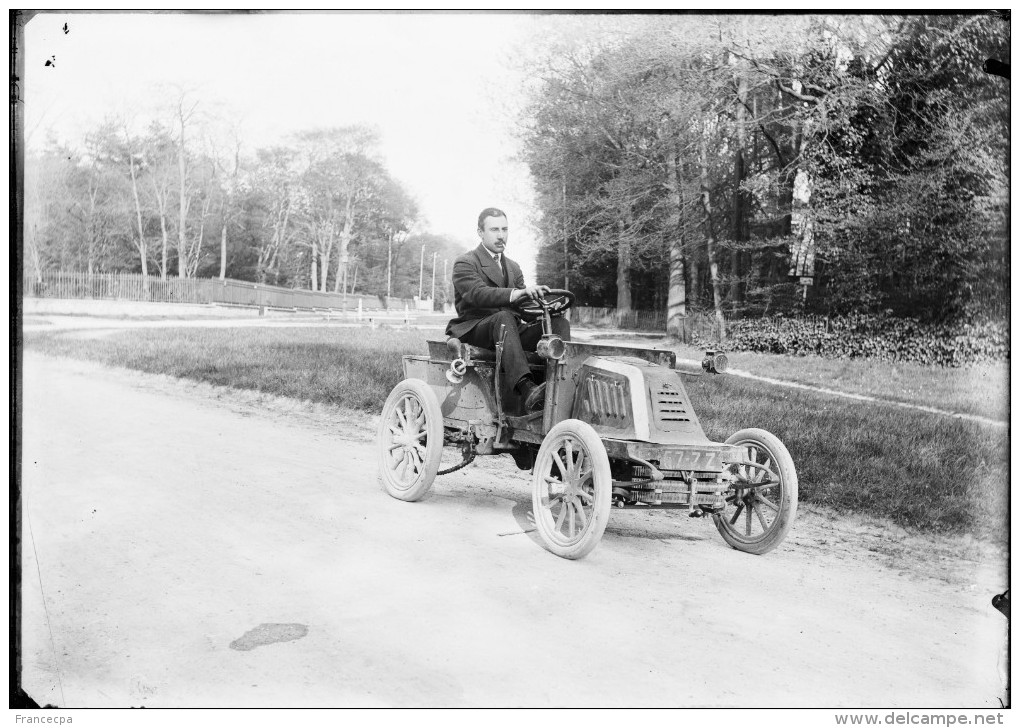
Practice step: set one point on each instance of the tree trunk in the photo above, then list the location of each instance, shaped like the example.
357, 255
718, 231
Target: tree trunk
345, 243
696, 293
676, 296
223, 239
161, 203
740, 202
183, 199
195, 254
566, 247
268, 253
182, 230
223, 251
32, 245
623, 297
325, 252
314, 268
166, 244
228, 199
143, 251
92, 233
694, 259
706, 202
90, 248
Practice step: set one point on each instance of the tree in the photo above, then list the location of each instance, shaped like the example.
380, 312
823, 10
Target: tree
96, 189
133, 150
270, 193
158, 158
230, 169
47, 223
668, 162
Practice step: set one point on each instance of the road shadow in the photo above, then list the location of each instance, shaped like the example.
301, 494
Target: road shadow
623, 523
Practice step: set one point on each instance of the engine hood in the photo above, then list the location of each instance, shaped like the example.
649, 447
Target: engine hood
632, 399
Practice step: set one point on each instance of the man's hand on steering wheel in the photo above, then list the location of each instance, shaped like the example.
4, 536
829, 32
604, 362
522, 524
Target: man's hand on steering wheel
532, 292
546, 300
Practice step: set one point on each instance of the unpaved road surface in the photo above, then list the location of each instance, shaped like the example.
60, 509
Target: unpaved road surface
185, 546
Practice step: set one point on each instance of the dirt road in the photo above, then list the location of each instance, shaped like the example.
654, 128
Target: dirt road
183, 546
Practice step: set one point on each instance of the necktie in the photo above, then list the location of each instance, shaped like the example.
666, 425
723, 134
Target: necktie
502, 270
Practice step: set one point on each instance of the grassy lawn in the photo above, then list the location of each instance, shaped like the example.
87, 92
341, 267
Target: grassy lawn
921, 470
924, 471
349, 367
978, 390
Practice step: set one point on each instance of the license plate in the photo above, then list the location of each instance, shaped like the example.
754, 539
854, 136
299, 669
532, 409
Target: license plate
692, 459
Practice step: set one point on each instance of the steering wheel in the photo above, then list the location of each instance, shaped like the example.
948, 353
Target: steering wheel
556, 302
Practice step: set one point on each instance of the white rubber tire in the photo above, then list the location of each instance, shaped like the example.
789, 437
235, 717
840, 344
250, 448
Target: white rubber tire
571, 509
410, 440
768, 512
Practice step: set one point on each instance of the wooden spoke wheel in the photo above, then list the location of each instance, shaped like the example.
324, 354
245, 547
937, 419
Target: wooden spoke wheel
762, 501
571, 489
410, 440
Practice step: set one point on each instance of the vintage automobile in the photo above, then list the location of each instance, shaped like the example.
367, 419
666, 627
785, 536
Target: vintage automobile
617, 430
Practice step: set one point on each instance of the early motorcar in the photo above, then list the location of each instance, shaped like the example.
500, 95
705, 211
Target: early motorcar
617, 430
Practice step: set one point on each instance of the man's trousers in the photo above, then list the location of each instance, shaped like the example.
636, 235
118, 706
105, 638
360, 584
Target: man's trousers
520, 338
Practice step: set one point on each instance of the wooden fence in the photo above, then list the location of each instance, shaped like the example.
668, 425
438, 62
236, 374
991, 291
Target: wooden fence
136, 287
699, 323
123, 286
611, 318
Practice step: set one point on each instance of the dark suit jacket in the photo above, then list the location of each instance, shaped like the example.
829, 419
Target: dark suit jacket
479, 290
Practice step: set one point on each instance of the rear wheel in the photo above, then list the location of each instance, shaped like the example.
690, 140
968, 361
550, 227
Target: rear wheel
571, 489
762, 501
410, 440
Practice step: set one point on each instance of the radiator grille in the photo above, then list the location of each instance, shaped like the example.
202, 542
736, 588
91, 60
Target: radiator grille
669, 403
607, 399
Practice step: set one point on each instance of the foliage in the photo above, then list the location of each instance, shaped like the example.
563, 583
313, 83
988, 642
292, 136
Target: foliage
869, 336
909, 186
715, 160
182, 195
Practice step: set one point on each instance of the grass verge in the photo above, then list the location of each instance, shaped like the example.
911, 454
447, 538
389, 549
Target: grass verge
920, 470
923, 471
981, 389
350, 367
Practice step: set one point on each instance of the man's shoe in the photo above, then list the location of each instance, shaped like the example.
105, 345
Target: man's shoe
535, 400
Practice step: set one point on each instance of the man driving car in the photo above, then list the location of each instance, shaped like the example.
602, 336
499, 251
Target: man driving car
486, 285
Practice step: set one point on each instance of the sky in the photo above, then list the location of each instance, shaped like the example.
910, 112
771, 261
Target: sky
442, 89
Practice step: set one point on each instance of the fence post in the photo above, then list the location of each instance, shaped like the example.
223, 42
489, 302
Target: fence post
407, 321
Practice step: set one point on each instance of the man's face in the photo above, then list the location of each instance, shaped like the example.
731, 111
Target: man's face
493, 234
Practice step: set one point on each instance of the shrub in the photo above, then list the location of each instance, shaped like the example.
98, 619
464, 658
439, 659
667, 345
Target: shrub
868, 336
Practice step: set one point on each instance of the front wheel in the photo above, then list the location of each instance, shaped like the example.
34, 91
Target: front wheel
571, 489
410, 440
762, 501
